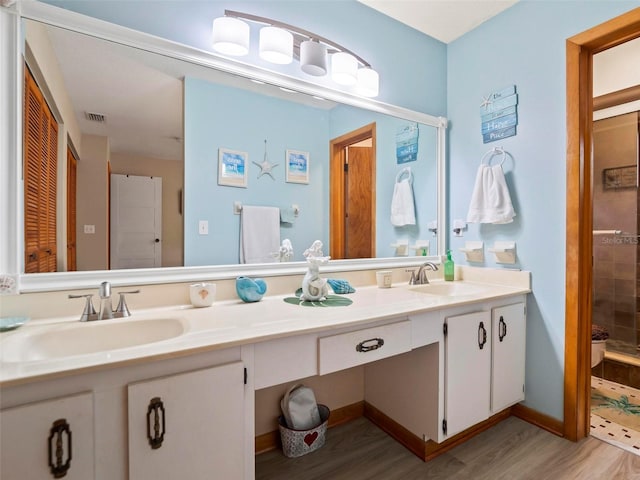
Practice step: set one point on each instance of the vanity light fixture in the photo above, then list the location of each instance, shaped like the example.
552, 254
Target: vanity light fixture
230, 36
276, 45
279, 43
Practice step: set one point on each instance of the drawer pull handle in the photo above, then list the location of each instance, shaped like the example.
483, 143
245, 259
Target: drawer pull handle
56, 448
482, 335
367, 346
155, 407
502, 328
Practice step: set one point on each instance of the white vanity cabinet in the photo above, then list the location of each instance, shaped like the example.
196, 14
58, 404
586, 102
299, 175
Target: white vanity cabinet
484, 365
189, 425
48, 439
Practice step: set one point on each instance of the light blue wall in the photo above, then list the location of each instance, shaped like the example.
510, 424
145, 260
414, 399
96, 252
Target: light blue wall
226, 117
524, 46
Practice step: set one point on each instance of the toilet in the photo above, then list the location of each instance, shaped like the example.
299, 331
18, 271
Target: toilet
599, 337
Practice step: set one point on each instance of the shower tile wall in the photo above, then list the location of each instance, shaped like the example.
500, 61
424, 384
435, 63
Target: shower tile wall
616, 258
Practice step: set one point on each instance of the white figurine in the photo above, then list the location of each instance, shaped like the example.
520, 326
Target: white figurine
286, 251
314, 288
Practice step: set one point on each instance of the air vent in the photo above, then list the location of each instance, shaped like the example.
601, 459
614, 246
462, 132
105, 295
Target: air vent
95, 117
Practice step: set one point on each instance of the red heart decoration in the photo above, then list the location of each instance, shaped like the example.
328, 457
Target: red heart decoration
309, 438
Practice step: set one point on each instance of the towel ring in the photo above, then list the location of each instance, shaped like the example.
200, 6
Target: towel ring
492, 153
406, 170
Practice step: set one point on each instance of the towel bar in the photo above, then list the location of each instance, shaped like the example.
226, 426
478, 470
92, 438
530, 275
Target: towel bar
237, 208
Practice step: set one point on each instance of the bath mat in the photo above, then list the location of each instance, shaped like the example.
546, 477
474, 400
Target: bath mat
615, 414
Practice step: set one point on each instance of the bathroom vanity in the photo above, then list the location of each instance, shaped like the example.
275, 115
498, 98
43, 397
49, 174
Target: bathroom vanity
438, 359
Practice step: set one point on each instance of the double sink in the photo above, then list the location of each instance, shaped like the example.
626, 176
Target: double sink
48, 342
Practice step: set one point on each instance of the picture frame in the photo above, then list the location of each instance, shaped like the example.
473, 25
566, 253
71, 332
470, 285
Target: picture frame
297, 166
232, 168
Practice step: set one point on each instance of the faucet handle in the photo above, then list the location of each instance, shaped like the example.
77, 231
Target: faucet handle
412, 280
122, 310
88, 311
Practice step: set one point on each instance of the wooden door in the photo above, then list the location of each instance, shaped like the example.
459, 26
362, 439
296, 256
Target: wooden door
362, 179
136, 221
194, 420
358, 239
72, 169
467, 370
40, 180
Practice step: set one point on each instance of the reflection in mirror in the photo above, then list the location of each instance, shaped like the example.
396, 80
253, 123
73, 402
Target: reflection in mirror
148, 132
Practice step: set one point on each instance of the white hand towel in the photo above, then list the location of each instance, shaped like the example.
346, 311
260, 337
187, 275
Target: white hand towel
490, 201
402, 209
259, 234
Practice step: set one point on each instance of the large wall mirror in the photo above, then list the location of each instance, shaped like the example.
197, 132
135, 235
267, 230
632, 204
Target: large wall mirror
129, 108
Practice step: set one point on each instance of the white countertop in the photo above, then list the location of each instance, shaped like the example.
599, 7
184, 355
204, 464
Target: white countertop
233, 323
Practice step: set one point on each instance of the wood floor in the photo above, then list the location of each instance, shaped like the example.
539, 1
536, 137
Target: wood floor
512, 450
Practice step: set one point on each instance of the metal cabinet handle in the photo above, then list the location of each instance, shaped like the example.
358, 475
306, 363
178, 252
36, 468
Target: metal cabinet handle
367, 346
502, 328
58, 466
156, 407
482, 335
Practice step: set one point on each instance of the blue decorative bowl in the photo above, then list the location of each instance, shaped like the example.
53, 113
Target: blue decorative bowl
250, 289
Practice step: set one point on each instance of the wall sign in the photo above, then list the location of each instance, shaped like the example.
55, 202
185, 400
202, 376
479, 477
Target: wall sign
499, 114
407, 143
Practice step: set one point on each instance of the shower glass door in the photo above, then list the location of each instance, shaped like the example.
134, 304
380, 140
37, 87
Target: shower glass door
615, 231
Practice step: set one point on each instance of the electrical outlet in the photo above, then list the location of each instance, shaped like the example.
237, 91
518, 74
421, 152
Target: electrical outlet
203, 227
90, 229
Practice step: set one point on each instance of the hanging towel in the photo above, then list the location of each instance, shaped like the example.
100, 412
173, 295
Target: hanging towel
259, 234
402, 209
490, 201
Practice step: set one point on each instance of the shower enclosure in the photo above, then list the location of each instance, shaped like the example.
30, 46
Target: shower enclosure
616, 218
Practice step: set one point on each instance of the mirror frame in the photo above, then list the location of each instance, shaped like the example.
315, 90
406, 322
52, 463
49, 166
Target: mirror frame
11, 118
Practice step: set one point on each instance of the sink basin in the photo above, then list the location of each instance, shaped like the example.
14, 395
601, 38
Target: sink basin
449, 289
82, 338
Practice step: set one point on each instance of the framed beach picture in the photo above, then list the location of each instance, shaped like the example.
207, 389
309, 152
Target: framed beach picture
232, 168
297, 166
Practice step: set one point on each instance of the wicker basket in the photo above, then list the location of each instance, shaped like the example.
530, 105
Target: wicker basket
296, 443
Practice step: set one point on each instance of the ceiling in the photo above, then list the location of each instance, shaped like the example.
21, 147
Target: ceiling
444, 20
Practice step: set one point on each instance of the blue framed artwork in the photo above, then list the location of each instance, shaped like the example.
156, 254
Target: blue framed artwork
297, 167
232, 168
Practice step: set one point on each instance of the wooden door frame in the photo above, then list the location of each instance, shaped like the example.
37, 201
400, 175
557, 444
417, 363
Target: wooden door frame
579, 234
336, 187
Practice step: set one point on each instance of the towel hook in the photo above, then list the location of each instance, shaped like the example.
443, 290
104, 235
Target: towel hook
406, 170
492, 153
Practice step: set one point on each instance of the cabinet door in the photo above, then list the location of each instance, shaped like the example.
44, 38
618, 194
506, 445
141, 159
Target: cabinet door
50, 439
189, 425
508, 346
467, 370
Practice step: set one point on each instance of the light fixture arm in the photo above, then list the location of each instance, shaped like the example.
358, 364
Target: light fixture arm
298, 33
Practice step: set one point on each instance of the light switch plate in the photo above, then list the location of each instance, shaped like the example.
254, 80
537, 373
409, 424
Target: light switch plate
90, 229
203, 227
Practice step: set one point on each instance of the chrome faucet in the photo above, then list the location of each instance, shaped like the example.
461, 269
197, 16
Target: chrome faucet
420, 277
89, 313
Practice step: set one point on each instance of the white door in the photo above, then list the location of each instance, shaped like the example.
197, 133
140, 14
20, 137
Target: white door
467, 370
45, 439
136, 221
188, 426
507, 371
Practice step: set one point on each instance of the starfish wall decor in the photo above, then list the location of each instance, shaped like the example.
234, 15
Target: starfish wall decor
266, 166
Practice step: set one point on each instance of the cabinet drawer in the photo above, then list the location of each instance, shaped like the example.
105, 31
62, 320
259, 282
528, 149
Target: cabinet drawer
347, 350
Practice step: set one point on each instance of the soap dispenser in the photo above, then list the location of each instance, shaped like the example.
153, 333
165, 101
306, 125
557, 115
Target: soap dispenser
449, 268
